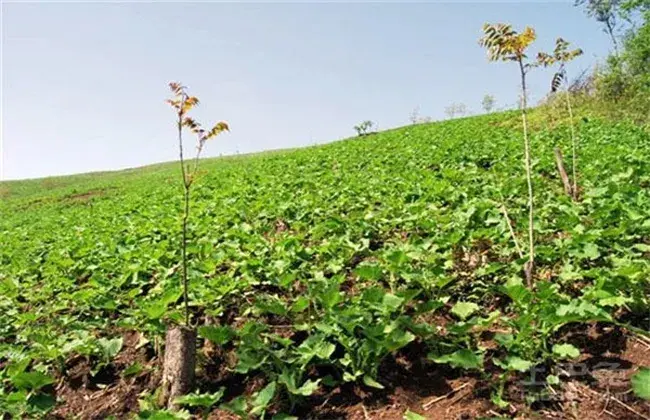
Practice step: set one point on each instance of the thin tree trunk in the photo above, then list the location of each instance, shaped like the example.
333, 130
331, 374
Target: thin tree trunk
610, 31
560, 168
180, 342
574, 155
530, 266
186, 211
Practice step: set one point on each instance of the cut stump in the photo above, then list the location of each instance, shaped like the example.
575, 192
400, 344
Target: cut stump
179, 365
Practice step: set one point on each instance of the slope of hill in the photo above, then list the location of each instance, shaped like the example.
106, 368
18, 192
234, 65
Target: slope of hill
370, 276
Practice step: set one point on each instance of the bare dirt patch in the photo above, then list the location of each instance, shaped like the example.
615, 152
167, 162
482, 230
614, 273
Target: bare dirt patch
109, 391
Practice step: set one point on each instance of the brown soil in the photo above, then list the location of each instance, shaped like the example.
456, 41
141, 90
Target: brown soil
108, 392
597, 386
83, 197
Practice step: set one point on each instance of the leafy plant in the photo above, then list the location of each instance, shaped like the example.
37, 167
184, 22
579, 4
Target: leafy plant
415, 117
110, 348
488, 103
203, 401
505, 44
182, 103
363, 128
562, 55
455, 109
604, 11
28, 397
641, 383
410, 415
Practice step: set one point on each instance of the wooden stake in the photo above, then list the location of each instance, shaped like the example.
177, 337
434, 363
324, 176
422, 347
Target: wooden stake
560, 167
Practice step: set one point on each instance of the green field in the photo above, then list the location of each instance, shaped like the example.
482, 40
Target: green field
313, 270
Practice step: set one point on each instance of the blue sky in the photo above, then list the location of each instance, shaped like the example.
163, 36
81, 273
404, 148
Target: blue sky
84, 84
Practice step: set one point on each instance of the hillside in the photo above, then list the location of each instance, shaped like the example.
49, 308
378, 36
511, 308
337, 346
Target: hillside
365, 277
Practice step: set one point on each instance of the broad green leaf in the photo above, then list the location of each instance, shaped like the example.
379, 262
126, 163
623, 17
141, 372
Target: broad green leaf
237, 405
514, 363
41, 402
519, 294
499, 401
164, 415
331, 296
368, 380
217, 335
591, 251
614, 301
566, 351
552, 380
368, 272
410, 415
464, 309
155, 310
263, 398
32, 381
465, 359
19, 366
642, 247
16, 397
641, 383
398, 339
316, 346
201, 400
307, 388
289, 380
273, 305
134, 369
110, 348
391, 301
398, 257
300, 304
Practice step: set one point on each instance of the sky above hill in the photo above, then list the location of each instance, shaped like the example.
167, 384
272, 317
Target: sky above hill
84, 84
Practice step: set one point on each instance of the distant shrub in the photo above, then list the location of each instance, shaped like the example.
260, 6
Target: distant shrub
488, 103
364, 128
415, 117
454, 110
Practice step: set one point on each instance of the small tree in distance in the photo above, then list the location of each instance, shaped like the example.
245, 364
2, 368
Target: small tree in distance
363, 128
505, 44
455, 109
488, 103
415, 117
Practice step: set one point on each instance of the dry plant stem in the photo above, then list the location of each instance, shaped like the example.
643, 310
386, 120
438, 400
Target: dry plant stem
559, 160
512, 231
622, 404
629, 408
529, 269
199, 148
365, 412
427, 405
